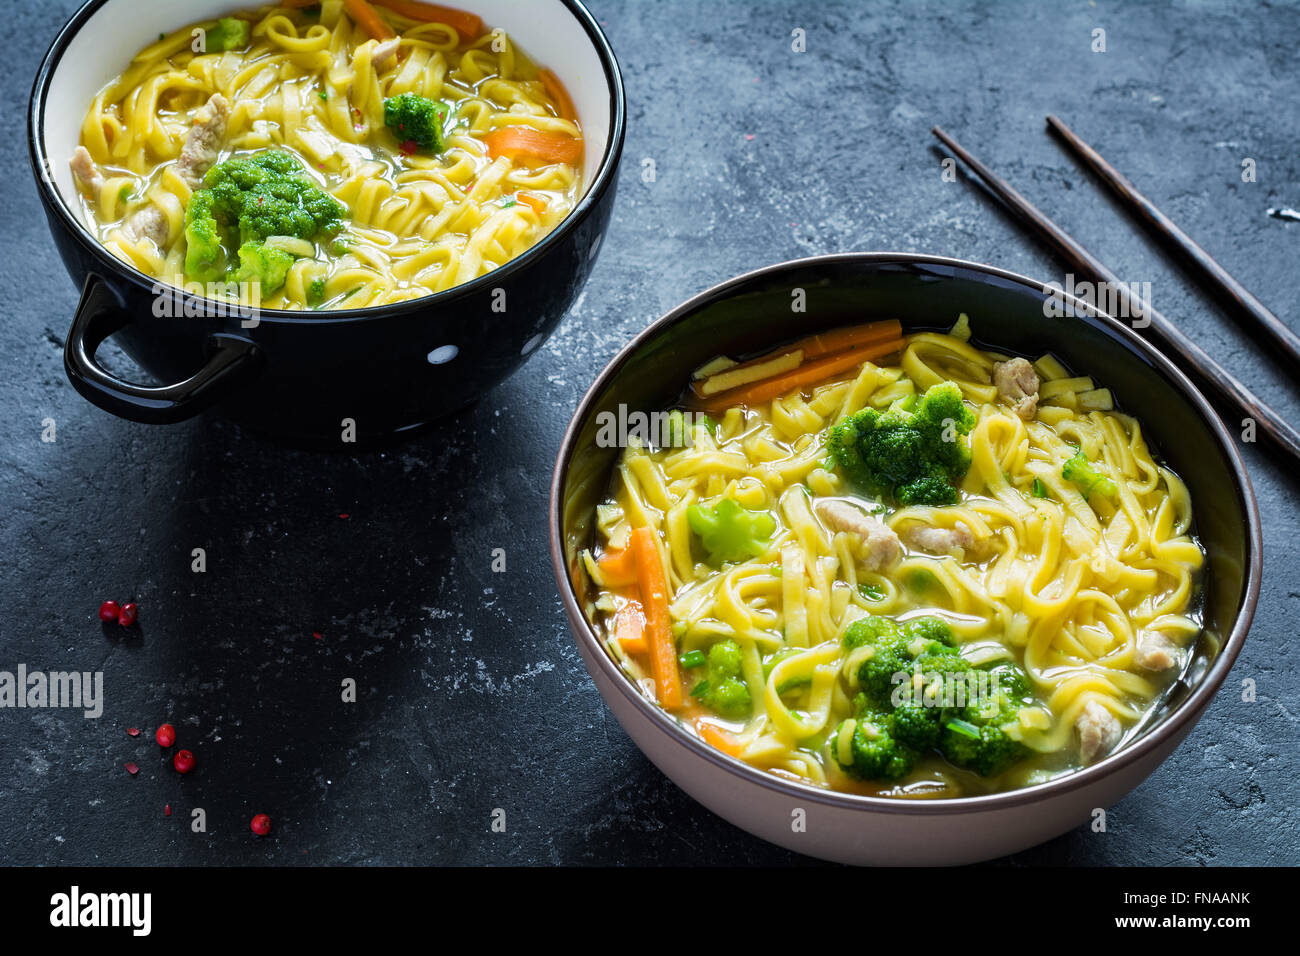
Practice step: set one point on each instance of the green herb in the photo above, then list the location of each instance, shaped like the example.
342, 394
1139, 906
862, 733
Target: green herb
692, 659
794, 683
316, 291
1040, 489
124, 194
871, 592
921, 581
323, 95
965, 728
700, 689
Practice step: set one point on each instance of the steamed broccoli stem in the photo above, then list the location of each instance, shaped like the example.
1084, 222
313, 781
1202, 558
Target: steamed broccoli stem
1079, 470
913, 456
730, 532
417, 119
205, 257
263, 264
230, 33
724, 691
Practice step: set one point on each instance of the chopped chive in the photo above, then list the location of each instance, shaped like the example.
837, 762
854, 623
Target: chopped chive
323, 95
794, 683
1040, 489
692, 659
965, 728
871, 592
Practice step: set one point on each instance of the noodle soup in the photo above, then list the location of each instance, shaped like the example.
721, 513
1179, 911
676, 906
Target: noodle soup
899, 565
337, 155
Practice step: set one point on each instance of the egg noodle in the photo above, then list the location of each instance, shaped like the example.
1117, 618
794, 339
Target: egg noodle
1062, 586
308, 84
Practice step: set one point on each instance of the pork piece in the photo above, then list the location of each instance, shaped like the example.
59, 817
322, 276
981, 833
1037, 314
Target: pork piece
384, 52
204, 140
954, 540
878, 547
1017, 382
1155, 652
1099, 730
148, 222
197, 155
87, 173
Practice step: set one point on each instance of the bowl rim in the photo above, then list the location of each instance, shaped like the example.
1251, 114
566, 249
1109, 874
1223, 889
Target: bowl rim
1129, 755
601, 182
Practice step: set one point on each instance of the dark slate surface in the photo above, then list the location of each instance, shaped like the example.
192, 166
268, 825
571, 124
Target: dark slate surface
471, 694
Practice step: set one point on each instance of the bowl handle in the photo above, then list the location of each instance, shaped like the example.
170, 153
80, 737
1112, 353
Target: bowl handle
232, 360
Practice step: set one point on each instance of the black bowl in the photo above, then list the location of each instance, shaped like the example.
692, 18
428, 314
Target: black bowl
1008, 313
314, 378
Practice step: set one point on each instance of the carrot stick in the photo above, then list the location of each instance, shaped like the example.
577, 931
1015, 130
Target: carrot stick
556, 91
841, 340
537, 203
815, 346
716, 737
659, 638
515, 141
466, 24
618, 568
805, 376
629, 628
826, 343
364, 16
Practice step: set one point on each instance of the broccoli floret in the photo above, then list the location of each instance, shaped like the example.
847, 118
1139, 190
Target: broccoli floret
912, 456
230, 33
416, 119
723, 691
266, 194
877, 753
1081, 471
730, 532
270, 194
953, 707
923, 645
316, 291
205, 257
869, 630
917, 725
930, 628
262, 264
973, 735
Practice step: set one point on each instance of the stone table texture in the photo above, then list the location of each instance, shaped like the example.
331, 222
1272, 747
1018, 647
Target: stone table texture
471, 694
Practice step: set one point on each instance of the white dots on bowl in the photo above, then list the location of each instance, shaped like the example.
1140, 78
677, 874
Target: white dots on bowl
443, 354
531, 344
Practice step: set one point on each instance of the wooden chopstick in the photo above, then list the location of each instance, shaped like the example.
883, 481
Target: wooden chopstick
1189, 356
1213, 274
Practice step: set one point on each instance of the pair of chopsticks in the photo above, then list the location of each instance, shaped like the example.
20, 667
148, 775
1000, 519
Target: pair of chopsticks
1189, 356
